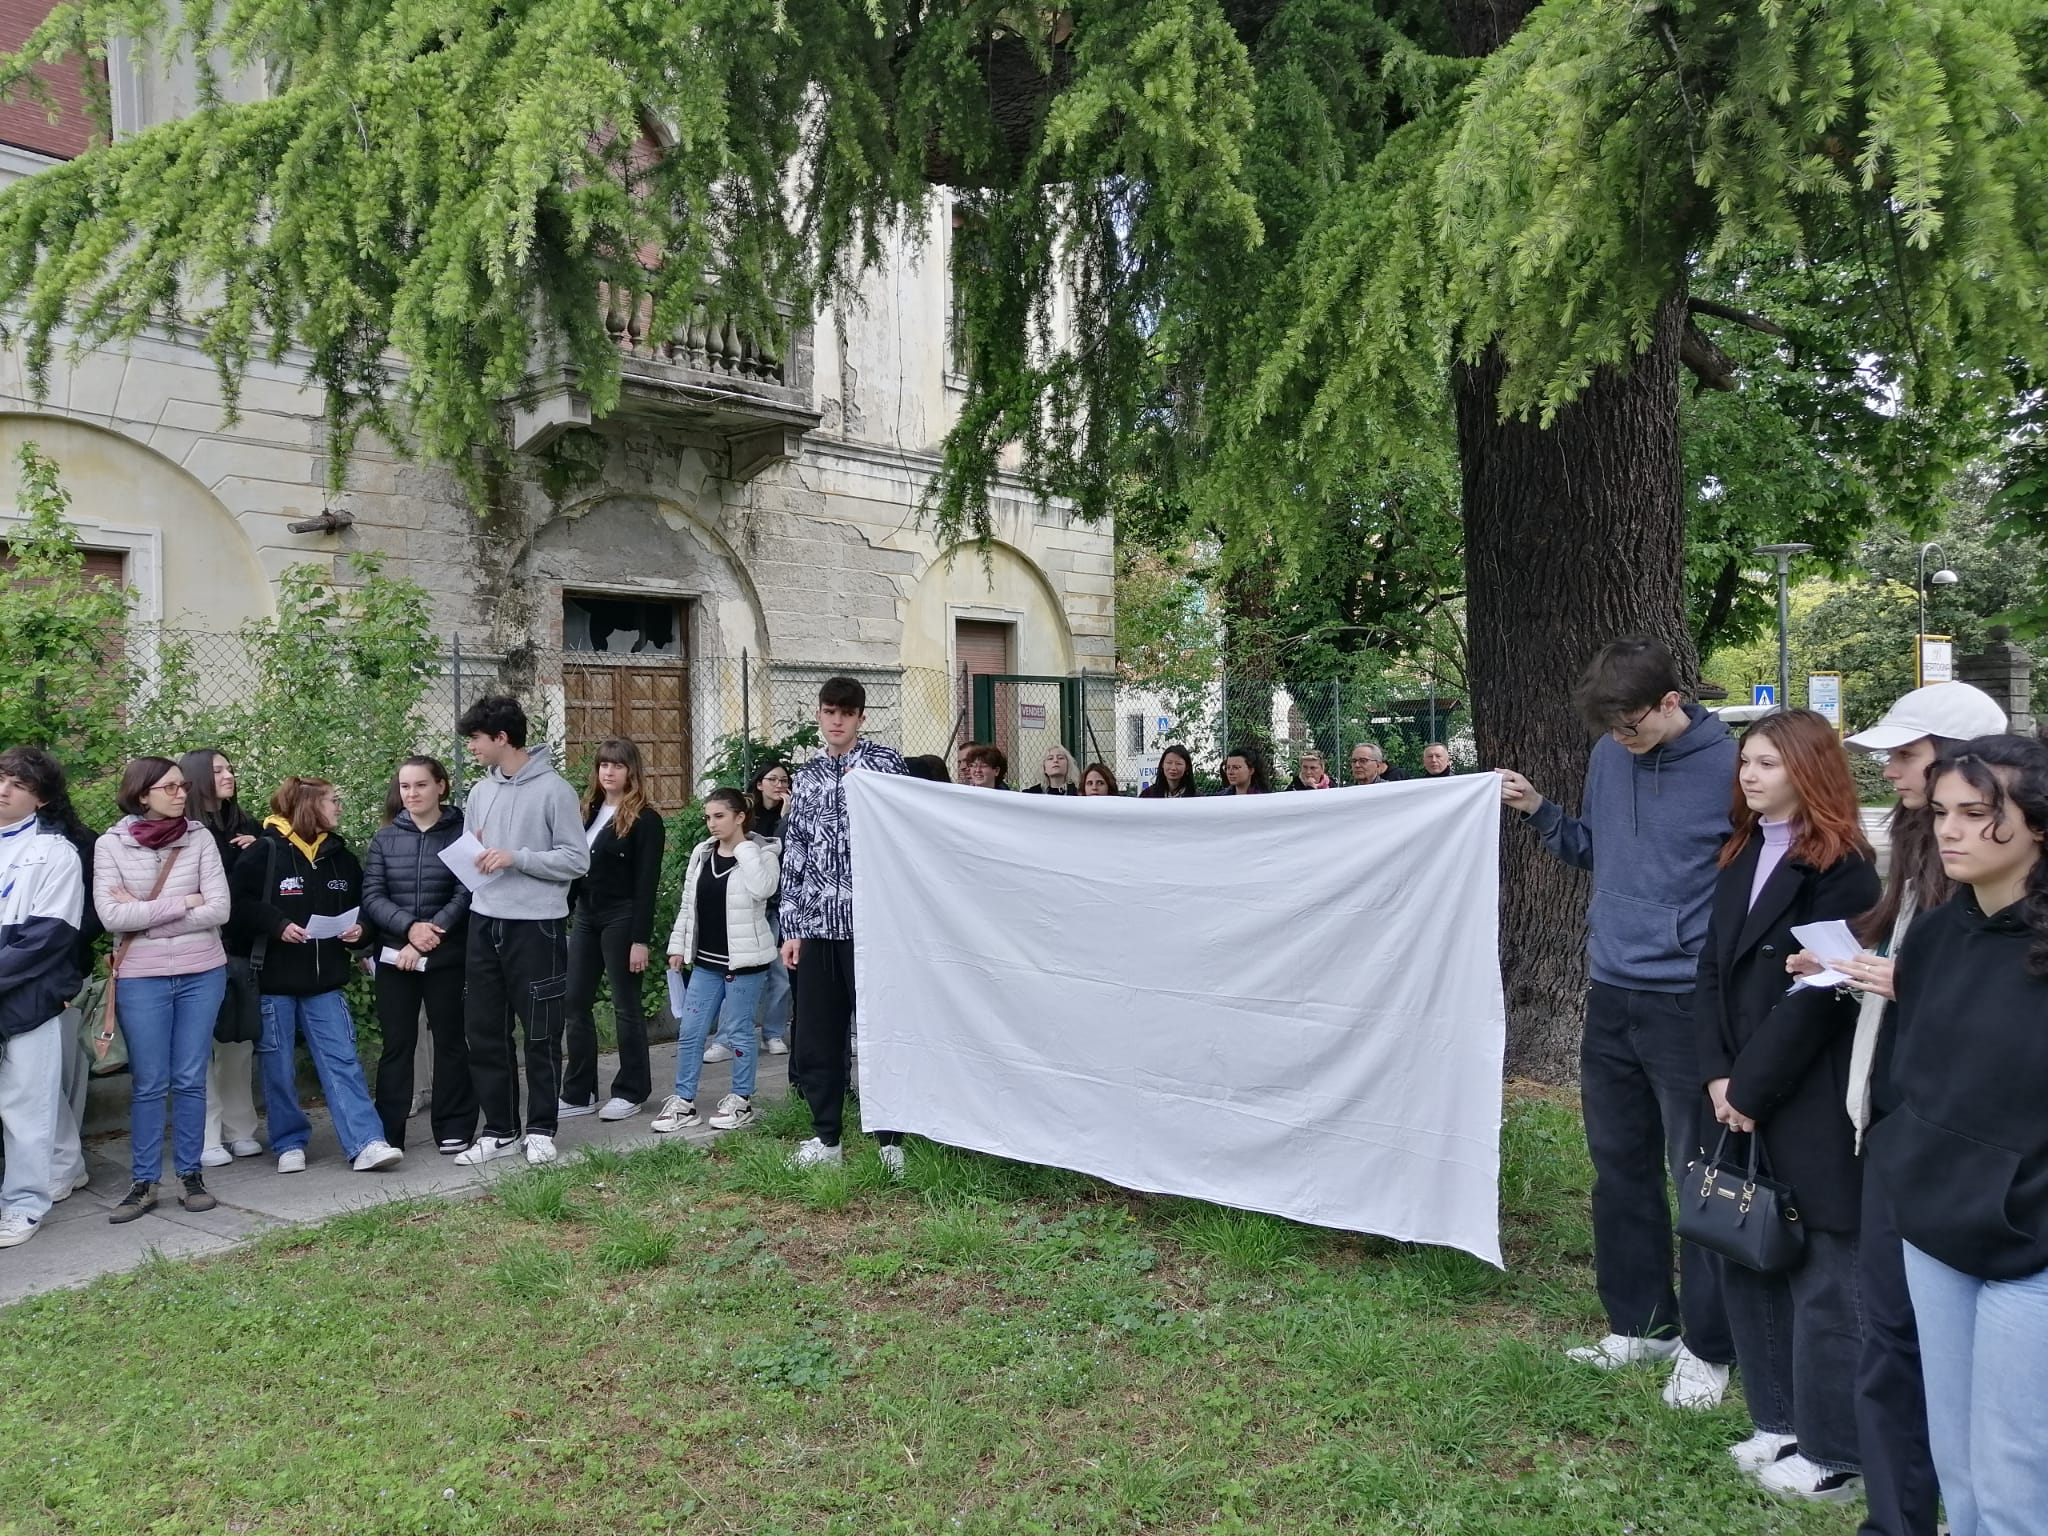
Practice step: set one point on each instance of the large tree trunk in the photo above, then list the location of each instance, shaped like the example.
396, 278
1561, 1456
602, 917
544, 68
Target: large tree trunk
1574, 536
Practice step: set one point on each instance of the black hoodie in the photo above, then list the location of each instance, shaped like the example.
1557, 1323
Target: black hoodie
1965, 1155
275, 885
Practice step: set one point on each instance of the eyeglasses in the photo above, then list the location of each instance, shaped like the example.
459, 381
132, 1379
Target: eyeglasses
170, 789
1628, 728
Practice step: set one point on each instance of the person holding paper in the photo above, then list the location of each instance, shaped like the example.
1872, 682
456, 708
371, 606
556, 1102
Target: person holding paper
1964, 1154
1773, 1062
1651, 825
525, 816
1899, 1490
298, 869
419, 913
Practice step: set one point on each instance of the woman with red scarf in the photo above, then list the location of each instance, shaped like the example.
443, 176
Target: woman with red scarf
160, 889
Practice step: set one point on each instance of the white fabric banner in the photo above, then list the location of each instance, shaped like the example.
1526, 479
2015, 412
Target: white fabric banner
1286, 1003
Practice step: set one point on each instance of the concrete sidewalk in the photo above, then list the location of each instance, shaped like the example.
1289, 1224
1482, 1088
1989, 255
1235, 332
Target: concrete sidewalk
78, 1244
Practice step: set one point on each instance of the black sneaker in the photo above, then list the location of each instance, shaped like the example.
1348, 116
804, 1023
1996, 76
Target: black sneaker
139, 1201
196, 1197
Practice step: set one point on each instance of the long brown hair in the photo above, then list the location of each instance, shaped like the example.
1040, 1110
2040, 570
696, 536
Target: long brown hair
1827, 828
1915, 863
633, 801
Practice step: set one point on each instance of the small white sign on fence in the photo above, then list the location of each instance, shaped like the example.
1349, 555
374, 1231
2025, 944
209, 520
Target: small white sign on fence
1030, 717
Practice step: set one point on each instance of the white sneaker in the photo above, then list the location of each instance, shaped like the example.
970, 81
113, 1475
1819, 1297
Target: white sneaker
815, 1154
1622, 1349
216, 1157
564, 1110
1794, 1477
675, 1114
733, 1112
777, 1046
293, 1161
16, 1229
1694, 1382
618, 1109
892, 1159
717, 1050
378, 1154
246, 1147
540, 1149
1761, 1449
485, 1148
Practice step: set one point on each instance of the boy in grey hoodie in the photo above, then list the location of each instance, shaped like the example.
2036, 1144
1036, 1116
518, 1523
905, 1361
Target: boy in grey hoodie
1656, 810
527, 818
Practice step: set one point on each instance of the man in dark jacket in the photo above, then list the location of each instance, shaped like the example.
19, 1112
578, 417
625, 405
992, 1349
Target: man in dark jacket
1659, 789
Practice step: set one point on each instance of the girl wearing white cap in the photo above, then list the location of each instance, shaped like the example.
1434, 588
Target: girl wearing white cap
1891, 1414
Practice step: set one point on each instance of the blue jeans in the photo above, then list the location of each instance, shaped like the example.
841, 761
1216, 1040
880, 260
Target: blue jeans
168, 1024
1984, 1354
331, 1039
709, 997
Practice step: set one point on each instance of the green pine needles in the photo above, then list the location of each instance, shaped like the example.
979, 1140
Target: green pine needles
1234, 244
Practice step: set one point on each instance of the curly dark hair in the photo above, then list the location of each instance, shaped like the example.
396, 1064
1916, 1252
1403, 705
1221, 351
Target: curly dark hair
2012, 770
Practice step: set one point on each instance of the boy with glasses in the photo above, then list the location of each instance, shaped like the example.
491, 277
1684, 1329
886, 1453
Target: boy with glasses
1655, 812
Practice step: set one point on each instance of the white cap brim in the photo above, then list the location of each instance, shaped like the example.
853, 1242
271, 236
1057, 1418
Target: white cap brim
1882, 738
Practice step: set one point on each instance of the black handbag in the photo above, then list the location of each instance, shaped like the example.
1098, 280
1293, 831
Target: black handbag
1739, 1211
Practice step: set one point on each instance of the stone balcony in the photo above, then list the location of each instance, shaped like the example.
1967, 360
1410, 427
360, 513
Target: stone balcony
708, 375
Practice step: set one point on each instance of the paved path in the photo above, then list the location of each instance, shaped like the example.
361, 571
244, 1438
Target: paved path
78, 1243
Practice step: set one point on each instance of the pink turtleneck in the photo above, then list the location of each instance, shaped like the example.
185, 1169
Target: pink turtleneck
1777, 836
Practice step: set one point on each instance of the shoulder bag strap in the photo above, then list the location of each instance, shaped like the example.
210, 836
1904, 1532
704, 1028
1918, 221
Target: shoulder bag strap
109, 1017
261, 947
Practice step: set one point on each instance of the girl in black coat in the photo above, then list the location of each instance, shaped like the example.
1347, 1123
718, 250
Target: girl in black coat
1776, 1064
419, 912
1964, 1156
612, 932
299, 870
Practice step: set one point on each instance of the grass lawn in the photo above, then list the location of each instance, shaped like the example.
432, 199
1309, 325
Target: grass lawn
671, 1341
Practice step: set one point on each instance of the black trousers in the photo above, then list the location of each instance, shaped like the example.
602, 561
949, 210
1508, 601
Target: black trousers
1797, 1336
819, 1061
1899, 1485
400, 996
601, 943
518, 976
1643, 1097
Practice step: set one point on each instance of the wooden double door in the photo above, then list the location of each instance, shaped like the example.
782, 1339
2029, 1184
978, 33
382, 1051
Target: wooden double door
646, 700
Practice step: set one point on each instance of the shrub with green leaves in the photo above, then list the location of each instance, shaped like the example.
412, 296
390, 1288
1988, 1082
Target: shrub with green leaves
62, 648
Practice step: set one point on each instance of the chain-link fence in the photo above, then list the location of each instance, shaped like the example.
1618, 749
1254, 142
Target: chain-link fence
348, 710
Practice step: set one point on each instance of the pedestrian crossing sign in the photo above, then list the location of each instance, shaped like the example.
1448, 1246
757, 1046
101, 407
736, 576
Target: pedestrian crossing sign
1763, 693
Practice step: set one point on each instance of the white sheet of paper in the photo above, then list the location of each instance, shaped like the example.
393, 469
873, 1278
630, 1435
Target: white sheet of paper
461, 855
388, 955
319, 927
1829, 942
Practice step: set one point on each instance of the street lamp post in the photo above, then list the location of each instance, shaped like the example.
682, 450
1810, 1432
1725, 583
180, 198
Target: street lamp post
1784, 554
1943, 577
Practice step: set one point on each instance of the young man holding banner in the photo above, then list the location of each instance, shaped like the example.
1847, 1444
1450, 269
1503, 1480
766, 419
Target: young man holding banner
1659, 791
817, 919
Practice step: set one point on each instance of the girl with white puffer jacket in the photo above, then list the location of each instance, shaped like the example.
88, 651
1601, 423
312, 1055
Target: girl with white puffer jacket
723, 936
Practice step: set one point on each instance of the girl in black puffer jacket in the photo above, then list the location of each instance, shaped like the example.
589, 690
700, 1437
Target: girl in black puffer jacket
419, 911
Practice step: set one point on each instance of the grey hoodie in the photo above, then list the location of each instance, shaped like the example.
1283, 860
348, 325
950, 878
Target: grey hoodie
534, 816
1651, 830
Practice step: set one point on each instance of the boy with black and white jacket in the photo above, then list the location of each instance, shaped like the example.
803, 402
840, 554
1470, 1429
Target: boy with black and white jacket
817, 918
42, 902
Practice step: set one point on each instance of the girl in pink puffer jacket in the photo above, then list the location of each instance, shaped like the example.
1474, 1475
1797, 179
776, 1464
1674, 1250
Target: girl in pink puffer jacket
170, 981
